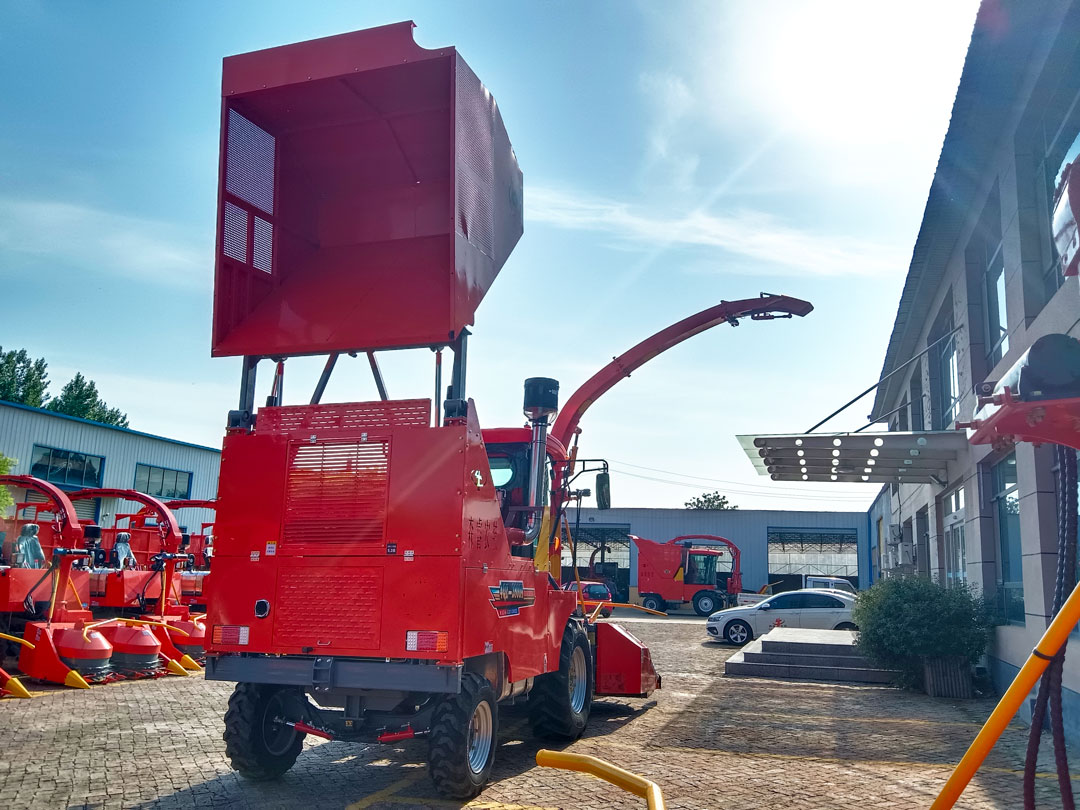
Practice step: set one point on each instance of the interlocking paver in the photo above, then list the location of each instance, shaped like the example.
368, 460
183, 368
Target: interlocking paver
709, 741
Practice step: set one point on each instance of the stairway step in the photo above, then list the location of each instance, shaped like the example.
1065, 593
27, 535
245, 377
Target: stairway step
736, 666
800, 659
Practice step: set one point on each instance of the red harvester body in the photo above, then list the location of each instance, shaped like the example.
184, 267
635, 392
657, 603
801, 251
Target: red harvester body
676, 572
398, 565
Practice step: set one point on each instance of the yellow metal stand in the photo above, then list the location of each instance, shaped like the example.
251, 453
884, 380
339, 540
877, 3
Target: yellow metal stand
1049, 646
624, 780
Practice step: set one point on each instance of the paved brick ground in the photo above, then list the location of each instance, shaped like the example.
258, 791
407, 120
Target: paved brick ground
709, 741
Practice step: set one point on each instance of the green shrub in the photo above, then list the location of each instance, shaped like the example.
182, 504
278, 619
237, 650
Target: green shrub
904, 620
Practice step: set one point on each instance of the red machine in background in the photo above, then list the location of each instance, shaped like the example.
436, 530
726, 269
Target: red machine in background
407, 576
676, 572
194, 576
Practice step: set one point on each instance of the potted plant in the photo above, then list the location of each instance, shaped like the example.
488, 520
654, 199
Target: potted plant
929, 634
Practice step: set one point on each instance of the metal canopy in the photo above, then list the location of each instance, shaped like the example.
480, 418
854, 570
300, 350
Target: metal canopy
875, 458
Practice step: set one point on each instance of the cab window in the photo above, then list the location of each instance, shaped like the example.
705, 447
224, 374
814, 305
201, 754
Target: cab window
502, 471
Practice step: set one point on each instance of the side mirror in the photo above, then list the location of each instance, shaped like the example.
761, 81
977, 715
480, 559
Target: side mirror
764, 606
603, 490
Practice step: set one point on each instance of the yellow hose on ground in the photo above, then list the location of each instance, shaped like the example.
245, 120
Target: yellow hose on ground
1049, 646
624, 780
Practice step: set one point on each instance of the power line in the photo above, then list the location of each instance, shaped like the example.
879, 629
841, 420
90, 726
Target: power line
798, 492
803, 497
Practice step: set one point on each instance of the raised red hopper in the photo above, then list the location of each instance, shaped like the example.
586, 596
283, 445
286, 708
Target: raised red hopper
368, 196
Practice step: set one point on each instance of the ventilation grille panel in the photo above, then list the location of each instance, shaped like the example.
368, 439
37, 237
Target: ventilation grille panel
234, 233
475, 164
302, 617
355, 416
336, 492
249, 163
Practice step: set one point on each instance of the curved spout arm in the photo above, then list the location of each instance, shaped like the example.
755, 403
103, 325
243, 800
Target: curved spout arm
766, 307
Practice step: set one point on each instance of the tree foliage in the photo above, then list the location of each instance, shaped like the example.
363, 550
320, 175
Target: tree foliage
22, 379
80, 398
904, 620
710, 500
5, 494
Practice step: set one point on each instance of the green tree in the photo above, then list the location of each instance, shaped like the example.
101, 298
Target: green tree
80, 398
710, 500
23, 380
5, 494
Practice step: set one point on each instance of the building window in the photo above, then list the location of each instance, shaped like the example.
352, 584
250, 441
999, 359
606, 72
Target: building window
1006, 500
952, 511
161, 482
915, 393
66, 468
997, 322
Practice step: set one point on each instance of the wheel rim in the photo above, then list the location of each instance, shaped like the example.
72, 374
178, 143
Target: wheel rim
737, 633
578, 680
706, 604
277, 737
480, 728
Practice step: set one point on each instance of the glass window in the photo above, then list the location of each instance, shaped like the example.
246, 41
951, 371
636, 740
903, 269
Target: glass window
701, 569
820, 600
161, 482
66, 468
952, 516
1006, 500
502, 471
785, 601
997, 322
949, 376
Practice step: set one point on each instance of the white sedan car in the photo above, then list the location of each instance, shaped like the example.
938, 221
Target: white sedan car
815, 608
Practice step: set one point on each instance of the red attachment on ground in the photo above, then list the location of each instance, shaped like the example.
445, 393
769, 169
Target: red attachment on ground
356, 170
623, 664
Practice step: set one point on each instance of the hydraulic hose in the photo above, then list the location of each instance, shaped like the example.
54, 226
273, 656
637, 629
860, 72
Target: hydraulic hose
1050, 684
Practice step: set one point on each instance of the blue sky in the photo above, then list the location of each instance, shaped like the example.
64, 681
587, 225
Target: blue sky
674, 155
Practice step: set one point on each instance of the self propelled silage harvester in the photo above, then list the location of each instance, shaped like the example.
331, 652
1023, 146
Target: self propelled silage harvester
402, 579
676, 572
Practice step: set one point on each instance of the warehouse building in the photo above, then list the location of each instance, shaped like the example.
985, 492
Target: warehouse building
777, 547
79, 454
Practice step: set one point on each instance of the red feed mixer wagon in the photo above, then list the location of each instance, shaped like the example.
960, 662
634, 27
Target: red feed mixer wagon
403, 581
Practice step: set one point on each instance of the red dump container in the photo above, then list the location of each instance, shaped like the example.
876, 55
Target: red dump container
368, 196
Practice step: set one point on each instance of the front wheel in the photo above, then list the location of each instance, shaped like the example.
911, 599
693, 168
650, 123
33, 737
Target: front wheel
738, 632
258, 743
652, 602
846, 626
560, 701
705, 603
464, 732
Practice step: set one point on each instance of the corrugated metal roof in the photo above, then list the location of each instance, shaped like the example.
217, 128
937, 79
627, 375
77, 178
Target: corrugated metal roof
129, 431
1004, 36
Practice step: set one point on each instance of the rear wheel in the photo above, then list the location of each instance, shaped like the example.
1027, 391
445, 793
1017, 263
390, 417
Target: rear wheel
652, 602
257, 742
464, 732
705, 603
738, 632
846, 626
560, 702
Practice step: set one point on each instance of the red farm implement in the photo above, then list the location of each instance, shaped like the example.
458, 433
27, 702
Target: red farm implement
194, 576
407, 576
674, 573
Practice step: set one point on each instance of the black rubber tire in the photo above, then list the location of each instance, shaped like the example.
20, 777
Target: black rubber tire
551, 714
846, 626
448, 758
700, 606
245, 733
738, 623
652, 602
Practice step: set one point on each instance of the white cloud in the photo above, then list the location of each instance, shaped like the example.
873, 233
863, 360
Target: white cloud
105, 242
749, 234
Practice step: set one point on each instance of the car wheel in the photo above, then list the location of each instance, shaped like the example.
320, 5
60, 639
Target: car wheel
652, 602
705, 603
738, 632
846, 626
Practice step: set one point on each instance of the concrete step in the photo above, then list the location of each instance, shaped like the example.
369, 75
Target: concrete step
850, 661
737, 666
785, 646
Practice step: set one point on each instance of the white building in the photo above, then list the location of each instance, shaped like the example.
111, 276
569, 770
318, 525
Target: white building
76, 454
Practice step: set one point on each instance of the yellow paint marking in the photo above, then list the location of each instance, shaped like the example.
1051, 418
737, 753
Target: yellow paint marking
387, 792
848, 720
